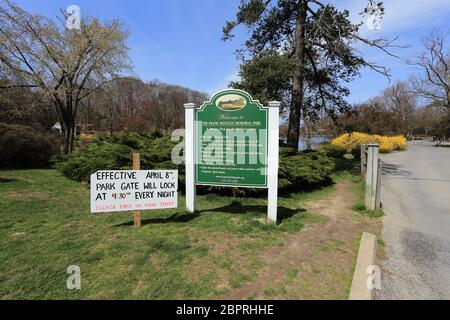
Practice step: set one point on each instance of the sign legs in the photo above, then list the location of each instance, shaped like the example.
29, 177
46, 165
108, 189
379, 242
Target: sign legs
189, 150
137, 166
273, 161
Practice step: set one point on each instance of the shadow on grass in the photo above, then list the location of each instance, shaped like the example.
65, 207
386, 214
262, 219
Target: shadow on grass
238, 208
6, 180
233, 208
175, 218
343, 165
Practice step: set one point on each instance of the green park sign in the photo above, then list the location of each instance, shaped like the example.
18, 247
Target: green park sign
232, 141
231, 135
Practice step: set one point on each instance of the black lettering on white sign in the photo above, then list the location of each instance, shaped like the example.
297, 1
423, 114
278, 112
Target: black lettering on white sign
113, 191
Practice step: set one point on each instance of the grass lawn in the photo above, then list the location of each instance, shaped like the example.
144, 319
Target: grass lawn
45, 226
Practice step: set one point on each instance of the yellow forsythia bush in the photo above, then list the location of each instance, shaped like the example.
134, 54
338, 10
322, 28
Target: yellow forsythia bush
86, 137
354, 140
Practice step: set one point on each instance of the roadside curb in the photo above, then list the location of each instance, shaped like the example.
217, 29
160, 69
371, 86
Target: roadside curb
366, 258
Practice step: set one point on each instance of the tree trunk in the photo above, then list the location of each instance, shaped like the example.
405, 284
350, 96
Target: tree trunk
66, 141
308, 130
298, 80
69, 139
69, 134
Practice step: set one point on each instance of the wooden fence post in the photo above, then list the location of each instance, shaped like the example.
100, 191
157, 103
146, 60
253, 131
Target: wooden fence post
137, 166
378, 196
363, 160
371, 176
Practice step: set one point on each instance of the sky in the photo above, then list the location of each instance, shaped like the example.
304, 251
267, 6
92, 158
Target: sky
179, 41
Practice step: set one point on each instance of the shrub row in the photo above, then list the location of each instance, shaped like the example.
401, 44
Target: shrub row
115, 153
298, 171
25, 147
333, 151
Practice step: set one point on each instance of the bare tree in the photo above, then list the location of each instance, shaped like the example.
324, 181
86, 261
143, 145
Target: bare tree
434, 62
125, 105
26, 107
402, 102
433, 119
68, 65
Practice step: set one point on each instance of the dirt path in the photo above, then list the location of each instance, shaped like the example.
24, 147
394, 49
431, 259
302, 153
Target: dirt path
317, 262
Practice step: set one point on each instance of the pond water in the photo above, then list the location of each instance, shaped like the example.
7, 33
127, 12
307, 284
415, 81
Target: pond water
316, 142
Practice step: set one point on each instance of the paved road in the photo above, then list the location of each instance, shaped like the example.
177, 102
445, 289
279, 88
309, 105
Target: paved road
416, 228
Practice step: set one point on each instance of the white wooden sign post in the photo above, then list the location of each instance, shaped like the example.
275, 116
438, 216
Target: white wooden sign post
232, 141
273, 160
189, 156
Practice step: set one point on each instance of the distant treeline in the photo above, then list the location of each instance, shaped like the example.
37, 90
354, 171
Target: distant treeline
122, 105
128, 105
398, 110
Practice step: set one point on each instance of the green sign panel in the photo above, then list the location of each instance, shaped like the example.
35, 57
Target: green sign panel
231, 141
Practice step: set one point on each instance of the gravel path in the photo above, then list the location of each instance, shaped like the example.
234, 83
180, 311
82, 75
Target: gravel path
416, 228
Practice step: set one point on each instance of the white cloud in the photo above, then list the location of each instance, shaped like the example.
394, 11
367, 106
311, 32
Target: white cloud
401, 15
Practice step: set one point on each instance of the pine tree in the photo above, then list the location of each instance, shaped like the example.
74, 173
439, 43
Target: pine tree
303, 52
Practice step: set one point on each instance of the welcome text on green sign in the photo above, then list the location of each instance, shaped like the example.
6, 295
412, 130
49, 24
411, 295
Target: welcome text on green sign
231, 141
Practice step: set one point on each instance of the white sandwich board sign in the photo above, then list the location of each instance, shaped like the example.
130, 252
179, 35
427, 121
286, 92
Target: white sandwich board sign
133, 190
